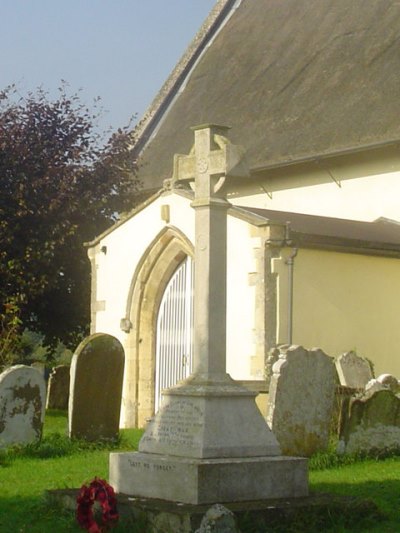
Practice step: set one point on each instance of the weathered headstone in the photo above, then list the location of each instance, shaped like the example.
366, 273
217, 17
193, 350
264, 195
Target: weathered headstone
97, 370
383, 382
209, 431
58, 388
353, 371
372, 423
22, 405
273, 356
301, 400
218, 519
374, 385
389, 381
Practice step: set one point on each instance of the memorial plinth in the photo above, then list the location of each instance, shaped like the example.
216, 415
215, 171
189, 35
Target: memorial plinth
200, 481
208, 442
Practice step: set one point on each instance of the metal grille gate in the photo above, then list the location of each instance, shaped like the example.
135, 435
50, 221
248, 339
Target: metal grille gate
174, 345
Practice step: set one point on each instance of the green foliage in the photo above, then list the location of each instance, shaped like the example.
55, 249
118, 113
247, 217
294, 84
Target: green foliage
10, 327
331, 459
59, 188
27, 347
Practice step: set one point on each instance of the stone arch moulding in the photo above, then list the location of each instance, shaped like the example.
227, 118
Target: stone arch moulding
157, 265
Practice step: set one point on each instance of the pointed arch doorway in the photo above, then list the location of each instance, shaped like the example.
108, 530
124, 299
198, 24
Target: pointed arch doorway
155, 271
174, 332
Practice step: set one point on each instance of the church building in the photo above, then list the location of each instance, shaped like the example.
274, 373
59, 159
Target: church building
309, 90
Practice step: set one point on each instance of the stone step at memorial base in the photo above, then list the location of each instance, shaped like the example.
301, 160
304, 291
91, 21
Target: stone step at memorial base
202, 481
318, 511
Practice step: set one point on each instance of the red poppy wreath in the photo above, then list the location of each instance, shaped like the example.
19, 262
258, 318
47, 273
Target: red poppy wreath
98, 490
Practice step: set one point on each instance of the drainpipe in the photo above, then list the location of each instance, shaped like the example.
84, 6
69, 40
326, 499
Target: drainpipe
290, 263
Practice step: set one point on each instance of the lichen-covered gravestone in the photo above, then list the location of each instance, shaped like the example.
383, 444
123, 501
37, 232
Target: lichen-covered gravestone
372, 423
58, 388
97, 370
22, 405
301, 400
353, 371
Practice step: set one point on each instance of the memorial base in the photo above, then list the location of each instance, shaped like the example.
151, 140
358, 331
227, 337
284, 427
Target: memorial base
201, 481
208, 419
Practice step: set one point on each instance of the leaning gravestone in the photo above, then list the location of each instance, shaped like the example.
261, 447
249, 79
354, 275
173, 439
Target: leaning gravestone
22, 405
58, 388
353, 371
301, 400
372, 423
97, 370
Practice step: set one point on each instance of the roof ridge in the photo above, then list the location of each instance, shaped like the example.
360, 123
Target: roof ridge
165, 95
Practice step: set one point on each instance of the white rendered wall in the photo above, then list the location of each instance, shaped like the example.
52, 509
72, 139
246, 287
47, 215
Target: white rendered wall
125, 248
240, 300
366, 198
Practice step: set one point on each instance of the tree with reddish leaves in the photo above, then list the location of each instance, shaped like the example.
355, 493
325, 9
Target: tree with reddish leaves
58, 189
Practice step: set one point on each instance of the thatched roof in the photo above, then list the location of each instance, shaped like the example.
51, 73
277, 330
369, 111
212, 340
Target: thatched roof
294, 79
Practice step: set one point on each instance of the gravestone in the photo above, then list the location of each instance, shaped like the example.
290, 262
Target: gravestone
372, 423
95, 394
58, 388
389, 381
273, 356
353, 371
374, 385
301, 400
22, 405
208, 442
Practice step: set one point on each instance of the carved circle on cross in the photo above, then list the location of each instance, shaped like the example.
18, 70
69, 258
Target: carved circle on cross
202, 165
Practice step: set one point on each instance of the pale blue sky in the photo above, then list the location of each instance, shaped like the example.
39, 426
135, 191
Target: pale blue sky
120, 50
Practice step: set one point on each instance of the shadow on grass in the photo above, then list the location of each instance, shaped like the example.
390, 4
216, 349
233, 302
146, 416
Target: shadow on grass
35, 515
372, 507
384, 494
32, 515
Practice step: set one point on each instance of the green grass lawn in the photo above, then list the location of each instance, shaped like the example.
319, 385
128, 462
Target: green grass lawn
26, 474
369, 479
24, 477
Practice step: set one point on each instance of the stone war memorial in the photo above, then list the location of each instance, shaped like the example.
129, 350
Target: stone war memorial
97, 370
22, 405
209, 443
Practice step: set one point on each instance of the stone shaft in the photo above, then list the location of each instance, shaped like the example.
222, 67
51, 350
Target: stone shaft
210, 256
210, 287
